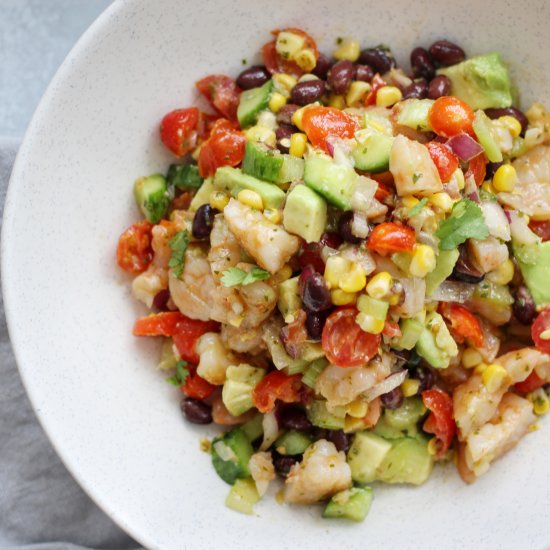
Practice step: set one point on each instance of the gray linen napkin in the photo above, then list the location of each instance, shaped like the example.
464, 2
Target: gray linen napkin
41, 506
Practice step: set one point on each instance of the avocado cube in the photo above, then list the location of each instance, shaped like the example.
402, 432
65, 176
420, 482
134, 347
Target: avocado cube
305, 214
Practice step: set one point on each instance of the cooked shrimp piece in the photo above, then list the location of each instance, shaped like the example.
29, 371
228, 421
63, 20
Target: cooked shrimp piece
243, 340
262, 470
512, 421
163, 233
269, 244
322, 473
487, 254
520, 363
225, 251
149, 283
214, 358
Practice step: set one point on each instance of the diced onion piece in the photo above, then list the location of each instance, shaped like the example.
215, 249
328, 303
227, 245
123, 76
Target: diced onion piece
496, 220
359, 225
521, 233
388, 384
465, 147
453, 291
271, 430
364, 191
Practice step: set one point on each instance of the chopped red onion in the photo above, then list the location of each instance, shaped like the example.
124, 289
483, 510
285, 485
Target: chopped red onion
330, 148
508, 216
465, 147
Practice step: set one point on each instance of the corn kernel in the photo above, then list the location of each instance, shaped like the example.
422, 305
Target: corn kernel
298, 142
352, 425
540, 400
347, 49
409, 202
503, 274
308, 77
282, 275
410, 387
494, 377
273, 215
386, 96
433, 446
458, 176
356, 92
512, 124
305, 59
394, 299
218, 200
505, 179
380, 285
261, 134
335, 268
480, 369
487, 186
358, 408
369, 324
251, 198
341, 298
354, 280
284, 83
471, 358
442, 201
423, 260
337, 101
289, 44
277, 101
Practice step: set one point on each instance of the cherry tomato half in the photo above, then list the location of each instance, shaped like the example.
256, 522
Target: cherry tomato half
134, 252
222, 92
276, 386
477, 168
464, 324
321, 122
178, 130
186, 333
224, 147
197, 387
449, 116
444, 159
389, 237
538, 330
531, 383
440, 422
158, 324
345, 343
542, 229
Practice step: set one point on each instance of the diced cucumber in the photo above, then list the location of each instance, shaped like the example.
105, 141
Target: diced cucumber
413, 113
335, 182
231, 453
410, 412
202, 196
269, 164
292, 443
253, 429
151, 193
484, 132
313, 371
311, 351
289, 302
494, 301
411, 329
305, 214
365, 455
351, 504
291, 170
242, 496
238, 386
378, 119
252, 102
445, 262
168, 358
281, 359
233, 180
184, 176
408, 461
319, 416
436, 345
373, 154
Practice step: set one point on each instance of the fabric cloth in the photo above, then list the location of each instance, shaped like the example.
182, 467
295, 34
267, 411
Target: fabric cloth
41, 506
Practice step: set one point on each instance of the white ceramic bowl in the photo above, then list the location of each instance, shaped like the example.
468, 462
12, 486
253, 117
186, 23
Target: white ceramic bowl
112, 418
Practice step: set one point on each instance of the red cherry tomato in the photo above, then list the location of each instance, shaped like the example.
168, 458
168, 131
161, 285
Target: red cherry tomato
391, 329
197, 387
444, 159
134, 252
531, 383
542, 229
224, 147
477, 168
440, 422
186, 333
222, 92
389, 237
178, 130
540, 325
321, 122
376, 83
449, 116
276, 386
206, 125
345, 343
158, 324
464, 325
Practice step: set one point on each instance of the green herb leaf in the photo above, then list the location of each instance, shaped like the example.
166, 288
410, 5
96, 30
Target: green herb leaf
416, 177
235, 276
180, 375
465, 222
417, 207
178, 244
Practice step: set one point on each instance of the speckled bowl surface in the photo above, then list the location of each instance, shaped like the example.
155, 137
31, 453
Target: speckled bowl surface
112, 417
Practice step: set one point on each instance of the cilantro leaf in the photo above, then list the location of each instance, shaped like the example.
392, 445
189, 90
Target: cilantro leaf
236, 276
417, 207
465, 222
181, 374
178, 244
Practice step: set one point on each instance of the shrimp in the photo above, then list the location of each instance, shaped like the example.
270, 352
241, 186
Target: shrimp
512, 421
225, 251
244, 340
163, 233
520, 363
269, 244
147, 284
262, 470
487, 254
214, 358
322, 473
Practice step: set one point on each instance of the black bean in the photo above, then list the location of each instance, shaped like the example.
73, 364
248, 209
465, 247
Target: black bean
314, 324
491, 168
416, 90
282, 463
378, 58
524, 306
364, 72
292, 417
413, 360
439, 86
425, 376
253, 77
284, 116
307, 92
393, 399
324, 63
160, 301
283, 132
340, 76
421, 64
446, 53
340, 439
203, 221
315, 293
345, 228
195, 411
509, 111
464, 270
